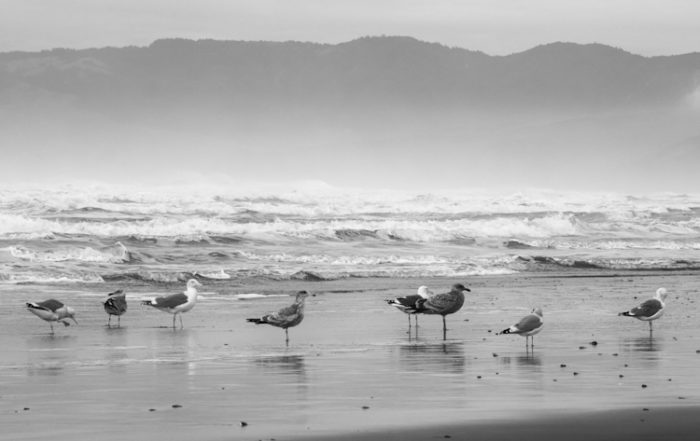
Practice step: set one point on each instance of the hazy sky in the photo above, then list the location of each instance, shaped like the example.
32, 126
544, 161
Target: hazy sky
646, 27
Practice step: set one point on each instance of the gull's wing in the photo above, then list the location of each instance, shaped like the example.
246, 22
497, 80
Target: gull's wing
647, 309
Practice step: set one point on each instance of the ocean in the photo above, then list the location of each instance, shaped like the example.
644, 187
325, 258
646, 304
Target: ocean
97, 234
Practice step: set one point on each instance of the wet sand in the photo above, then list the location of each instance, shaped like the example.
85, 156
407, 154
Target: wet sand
351, 370
678, 424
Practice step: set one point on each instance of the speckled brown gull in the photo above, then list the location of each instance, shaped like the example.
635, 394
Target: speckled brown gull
286, 317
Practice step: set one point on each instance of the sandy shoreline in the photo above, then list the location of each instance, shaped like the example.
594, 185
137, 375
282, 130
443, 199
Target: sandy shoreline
352, 371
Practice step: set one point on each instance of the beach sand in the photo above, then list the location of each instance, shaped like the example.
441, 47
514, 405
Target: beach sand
351, 371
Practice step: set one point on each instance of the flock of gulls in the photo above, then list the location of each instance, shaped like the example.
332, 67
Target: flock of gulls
115, 304
423, 302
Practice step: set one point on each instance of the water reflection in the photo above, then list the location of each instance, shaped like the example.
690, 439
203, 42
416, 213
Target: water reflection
291, 369
286, 364
641, 344
48, 354
173, 352
529, 359
433, 357
116, 354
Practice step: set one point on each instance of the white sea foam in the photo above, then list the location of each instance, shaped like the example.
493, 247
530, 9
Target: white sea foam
253, 296
195, 229
71, 233
313, 200
116, 254
346, 260
632, 244
49, 278
217, 275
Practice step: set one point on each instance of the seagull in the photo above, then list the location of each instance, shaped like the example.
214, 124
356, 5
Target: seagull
528, 326
115, 304
650, 309
176, 303
52, 311
443, 304
408, 304
286, 317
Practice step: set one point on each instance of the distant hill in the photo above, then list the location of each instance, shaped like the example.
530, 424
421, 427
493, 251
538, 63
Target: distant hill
388, 109
376, 71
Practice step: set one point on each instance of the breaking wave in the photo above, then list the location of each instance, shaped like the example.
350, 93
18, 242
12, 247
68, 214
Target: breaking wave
315, 233
114, 254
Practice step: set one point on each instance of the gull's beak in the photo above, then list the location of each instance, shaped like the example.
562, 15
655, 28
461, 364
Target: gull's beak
73, 318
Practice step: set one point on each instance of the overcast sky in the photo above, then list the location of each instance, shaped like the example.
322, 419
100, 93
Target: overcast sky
497, 27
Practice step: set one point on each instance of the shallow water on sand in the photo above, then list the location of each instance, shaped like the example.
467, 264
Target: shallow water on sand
350, 366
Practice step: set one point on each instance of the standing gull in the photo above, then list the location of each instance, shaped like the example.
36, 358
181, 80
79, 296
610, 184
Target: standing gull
408, 304
177, 303
286, 317
528, 326
52, 311
650, 309
115, 304
443, 304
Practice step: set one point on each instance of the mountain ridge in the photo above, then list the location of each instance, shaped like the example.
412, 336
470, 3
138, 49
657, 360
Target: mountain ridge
369, 70
384, 110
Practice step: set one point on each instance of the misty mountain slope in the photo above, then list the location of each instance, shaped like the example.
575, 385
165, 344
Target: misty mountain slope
391, 110
369, 71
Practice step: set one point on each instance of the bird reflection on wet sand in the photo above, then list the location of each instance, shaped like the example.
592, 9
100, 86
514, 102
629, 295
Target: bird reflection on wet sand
285, 364
642, 344
433, 357
529, 359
